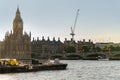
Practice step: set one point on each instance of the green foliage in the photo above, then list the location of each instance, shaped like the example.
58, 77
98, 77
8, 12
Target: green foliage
73, 55
116, 55
56, 56
105, 48
86, 48
71, 49
95, 49
117, 48
112, 48
98, 49
95, 55
33, 55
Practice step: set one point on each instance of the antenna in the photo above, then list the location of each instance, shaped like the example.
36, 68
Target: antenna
73, 28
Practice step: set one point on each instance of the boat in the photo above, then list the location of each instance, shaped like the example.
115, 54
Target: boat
103, 58
56, 65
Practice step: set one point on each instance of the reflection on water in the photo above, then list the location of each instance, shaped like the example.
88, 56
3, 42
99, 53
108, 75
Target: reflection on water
77, 70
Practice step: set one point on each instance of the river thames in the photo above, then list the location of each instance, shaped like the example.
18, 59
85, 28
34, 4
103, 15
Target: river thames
76, 70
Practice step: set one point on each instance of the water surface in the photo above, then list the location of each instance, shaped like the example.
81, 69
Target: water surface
76, 70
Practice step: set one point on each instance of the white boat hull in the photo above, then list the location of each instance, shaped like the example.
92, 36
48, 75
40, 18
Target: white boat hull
106, 59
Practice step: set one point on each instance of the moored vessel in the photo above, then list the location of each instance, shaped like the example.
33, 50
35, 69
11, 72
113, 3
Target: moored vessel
17, 67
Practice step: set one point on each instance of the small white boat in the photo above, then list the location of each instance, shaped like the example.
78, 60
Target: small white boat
103, 59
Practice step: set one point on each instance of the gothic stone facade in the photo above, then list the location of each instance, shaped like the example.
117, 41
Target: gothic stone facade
44, 48
16, 44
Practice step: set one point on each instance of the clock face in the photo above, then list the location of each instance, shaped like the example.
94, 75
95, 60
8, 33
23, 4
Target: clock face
19, 25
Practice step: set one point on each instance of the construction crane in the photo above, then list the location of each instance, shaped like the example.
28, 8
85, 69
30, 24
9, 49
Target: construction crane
73, 28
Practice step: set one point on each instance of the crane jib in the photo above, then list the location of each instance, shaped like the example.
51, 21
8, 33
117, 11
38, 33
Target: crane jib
73, 29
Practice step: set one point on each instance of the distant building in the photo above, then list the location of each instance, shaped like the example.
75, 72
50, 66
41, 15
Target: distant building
43, 48
116, 44
103, 44
78, 45
16, 45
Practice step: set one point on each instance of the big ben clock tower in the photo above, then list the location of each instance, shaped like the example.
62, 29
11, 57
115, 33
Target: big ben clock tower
18, 24
16, 44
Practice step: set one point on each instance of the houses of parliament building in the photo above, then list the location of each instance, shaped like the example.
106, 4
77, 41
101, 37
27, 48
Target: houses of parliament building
16, 45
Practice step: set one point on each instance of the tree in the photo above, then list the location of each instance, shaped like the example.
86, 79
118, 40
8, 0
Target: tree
105, 48
71, 49
86, 48
112, 48
117, 48
98, 49
33, 55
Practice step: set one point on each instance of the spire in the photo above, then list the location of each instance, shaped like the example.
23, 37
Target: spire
37, 38
48, 39
17, 16
53, 38
17, 12
43, 38
58, 38
33, 39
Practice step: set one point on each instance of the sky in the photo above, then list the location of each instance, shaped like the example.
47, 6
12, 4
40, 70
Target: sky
98, 20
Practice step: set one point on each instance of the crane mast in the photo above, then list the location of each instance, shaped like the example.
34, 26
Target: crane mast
73, 28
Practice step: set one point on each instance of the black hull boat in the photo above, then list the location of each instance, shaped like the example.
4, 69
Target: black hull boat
32, 68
